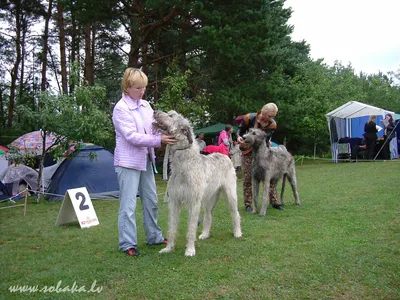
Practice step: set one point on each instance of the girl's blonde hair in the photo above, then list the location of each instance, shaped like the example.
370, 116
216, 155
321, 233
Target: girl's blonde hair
269, 107
133, 77
371, 118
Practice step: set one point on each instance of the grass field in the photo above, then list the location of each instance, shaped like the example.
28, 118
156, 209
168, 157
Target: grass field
342, 243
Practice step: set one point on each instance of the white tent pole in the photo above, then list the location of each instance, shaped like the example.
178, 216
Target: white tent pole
350, 128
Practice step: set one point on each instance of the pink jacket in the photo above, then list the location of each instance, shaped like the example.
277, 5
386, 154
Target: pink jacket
134, 134
223, 135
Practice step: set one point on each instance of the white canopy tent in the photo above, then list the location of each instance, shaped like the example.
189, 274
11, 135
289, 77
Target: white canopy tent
348, 121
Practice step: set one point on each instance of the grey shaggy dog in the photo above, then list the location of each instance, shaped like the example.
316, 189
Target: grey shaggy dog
195, 180
269, 164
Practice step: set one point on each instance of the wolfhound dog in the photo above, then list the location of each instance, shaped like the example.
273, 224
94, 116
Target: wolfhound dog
195, 180
269, 165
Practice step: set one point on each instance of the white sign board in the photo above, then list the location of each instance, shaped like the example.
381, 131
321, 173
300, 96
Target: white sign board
77, 203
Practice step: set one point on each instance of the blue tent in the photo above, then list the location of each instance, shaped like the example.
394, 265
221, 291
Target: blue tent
97, 175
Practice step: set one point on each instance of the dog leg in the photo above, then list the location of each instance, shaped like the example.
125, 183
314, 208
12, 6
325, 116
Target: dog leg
283, 189
231, 198
265, 197
174, 211
208, 208
293, 183
193, 218
256, 189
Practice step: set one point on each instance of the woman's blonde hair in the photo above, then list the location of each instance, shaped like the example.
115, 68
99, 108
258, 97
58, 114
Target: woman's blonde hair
269, 107
371, 118
133, 77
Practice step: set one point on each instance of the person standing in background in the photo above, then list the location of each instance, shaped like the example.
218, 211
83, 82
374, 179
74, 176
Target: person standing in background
388, 135
235, 153
200, 141
224, 139
370, 134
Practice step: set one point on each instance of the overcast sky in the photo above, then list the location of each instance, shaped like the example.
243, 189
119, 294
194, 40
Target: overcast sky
365, 33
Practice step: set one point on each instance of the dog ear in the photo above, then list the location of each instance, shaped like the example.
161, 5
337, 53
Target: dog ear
172, 113
189, 135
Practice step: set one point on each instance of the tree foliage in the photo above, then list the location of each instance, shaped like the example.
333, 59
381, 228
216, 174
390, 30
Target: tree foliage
72, 118
210, 60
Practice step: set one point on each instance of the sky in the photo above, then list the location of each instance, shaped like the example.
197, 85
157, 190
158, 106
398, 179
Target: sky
364, 33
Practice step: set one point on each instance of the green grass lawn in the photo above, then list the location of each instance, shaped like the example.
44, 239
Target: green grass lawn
342, 243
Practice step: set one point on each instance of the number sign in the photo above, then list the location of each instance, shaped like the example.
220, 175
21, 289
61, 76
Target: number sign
77, 204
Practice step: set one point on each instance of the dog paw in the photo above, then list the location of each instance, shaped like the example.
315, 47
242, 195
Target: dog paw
166, 250
298, 203
254, 211
238, 234
204, 236
190, 252
262, 214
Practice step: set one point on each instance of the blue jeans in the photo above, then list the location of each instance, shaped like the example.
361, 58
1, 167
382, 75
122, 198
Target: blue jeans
130, 182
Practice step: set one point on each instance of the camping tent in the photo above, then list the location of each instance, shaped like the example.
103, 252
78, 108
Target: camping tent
3, 163
4, 192
97, 175
213, 129
349, 119
48, 173
14, 175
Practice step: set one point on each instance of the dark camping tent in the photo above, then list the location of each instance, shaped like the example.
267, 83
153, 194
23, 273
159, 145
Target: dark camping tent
97, 175
213, 129
211, 132
4, 192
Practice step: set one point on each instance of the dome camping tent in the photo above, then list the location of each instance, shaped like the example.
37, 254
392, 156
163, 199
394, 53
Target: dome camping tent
97, 175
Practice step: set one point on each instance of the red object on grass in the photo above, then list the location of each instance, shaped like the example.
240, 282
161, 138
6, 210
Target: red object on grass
213, 149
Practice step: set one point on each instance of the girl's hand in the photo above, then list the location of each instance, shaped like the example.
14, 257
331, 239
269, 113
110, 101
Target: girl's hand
167, 139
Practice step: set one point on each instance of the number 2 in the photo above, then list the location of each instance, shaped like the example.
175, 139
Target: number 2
82, 206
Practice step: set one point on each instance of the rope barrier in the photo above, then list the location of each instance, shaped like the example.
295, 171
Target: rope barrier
348, 159
44, 193
12, 197
12, 206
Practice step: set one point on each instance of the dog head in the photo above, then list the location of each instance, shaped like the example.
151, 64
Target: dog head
255, 137
175, 125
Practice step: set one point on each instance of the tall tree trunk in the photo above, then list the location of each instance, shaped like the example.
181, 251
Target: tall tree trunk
315, 150
156, 64
54, 68
61, 28
41, 164
3, 123
89, 60
43, 84
73, 74
93, 52
14, 70
136, 33
23, 54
